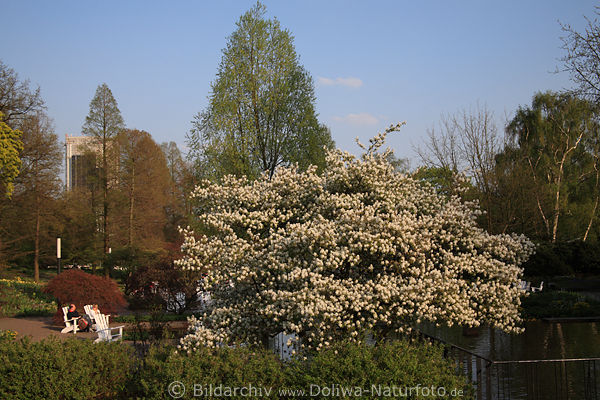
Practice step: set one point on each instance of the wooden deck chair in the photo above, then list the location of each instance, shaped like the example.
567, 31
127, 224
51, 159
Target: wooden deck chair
70, 324
89, 310
105, 332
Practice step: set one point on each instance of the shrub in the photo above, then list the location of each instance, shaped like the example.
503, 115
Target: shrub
344, 365
399, 363
80, 288
8, 334
70, 369
159, 282
234, 367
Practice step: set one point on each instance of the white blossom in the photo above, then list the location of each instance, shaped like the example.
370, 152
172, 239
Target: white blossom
360, 247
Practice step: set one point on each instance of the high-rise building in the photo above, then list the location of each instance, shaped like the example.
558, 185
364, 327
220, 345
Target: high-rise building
80, 161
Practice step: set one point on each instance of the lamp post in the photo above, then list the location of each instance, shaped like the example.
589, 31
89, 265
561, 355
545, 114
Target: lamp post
58, 253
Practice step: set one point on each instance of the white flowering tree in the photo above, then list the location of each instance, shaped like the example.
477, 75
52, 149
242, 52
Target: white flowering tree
358, 248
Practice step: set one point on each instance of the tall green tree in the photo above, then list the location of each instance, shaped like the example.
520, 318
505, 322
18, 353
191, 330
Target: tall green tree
261, 111
103, 123
555, 137
144, 186
38, 185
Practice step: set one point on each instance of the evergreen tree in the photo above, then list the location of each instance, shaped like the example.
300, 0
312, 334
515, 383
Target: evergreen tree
103, 123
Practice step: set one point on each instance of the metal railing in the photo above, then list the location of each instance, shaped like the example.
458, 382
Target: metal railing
573, 378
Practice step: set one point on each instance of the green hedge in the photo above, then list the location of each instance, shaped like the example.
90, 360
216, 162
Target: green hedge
345, 366
225, 366
80, 369
399, 364
70, 369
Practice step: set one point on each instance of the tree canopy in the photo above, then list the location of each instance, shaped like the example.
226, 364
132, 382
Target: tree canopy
10, 148
556, 138
261, 112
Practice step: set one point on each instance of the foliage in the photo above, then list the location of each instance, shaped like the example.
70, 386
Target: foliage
80, 369
126, 261
80, 288
234, 367
143, 190
557, 145
8, 335
445, 181
160, 282
104, 120
103, 123
182, 183
53, 369
399, 363
20, 298
553, 304
10, 147
79, 233
564, 258
261, 112
359, 247
347, 365
29, 220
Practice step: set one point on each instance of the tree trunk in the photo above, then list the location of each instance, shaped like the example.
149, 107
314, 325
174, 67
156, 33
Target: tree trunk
105, 205
131, 192
537, 198
36, 257
587, 231
556, 207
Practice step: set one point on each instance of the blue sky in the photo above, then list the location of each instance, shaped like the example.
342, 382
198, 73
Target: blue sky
374, 63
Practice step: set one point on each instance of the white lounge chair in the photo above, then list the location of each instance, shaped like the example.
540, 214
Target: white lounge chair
538, 289
70, 324
89, 310
105, 332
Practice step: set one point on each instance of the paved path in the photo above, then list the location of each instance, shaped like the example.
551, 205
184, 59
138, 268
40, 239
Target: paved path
40, 327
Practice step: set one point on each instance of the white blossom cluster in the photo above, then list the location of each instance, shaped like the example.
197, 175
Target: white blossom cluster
359, 248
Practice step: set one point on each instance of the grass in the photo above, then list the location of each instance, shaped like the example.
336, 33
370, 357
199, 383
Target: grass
559, 305
21, 298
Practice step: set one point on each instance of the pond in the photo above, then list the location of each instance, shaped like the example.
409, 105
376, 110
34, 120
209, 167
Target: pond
510, 379
540, 341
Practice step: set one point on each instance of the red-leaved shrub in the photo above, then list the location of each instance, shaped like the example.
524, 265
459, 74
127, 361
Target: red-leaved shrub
80, 288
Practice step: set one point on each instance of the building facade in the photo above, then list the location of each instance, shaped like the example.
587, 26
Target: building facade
80, 160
